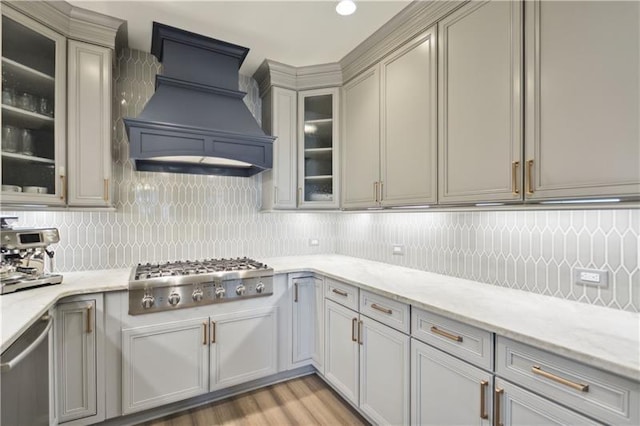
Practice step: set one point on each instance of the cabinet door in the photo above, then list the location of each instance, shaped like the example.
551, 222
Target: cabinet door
89, 115
409, 124
446, 390
308, 326
361, 139
34, 70
76, 359
384, 373
516, 406
164, 363
244, 347
480, 99
318, 152
279, 115
341, 349
583, 136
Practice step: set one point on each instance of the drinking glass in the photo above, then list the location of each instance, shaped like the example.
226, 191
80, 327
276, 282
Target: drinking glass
25, 101
8, 96
27, 142
45, 107
9, 138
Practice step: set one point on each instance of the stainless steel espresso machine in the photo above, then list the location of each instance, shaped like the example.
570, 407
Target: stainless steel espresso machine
26, 260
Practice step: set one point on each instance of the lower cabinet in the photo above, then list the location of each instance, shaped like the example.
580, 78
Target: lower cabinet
446, 390
516, 406
308, 322
79, 391
368, 363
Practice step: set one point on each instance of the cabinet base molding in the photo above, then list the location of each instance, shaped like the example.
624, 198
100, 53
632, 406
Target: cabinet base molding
155, 413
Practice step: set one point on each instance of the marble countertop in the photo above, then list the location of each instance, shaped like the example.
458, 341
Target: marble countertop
601, 337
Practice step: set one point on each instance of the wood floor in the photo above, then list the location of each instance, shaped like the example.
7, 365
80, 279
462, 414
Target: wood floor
302, 401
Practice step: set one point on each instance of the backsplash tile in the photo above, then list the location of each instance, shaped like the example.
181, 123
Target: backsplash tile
163, 217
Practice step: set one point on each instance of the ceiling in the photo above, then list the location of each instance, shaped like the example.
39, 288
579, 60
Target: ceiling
296, 33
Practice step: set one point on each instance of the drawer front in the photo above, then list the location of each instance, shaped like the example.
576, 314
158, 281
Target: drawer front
606, 397
344, 294
467, 342
387, 311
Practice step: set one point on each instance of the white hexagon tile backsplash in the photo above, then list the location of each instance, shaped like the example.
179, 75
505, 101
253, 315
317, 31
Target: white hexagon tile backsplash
163, 217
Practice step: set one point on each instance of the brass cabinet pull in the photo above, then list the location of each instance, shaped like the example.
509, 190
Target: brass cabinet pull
514, 177
483, 411
360, 332
353, 330
375, 191
455, 337
204, 332
529, 177
300, 200
496, 415
106, 189
89, 322
381, 308
63, 188
295, 292
213, 331
381, 190
275, 195
577, 386
340, 292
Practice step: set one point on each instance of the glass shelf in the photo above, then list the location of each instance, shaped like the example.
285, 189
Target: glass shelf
24, 78
25, 119
27, 158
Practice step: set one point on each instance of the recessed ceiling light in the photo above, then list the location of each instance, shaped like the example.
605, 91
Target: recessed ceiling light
346, 7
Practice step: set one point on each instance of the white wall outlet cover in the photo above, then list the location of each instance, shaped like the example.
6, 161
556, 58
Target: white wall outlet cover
591, 277
398, 249
314, 242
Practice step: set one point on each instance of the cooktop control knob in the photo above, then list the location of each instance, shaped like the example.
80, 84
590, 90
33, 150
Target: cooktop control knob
220, 292
240, 290
173, 298
260, 287
148, 301
197, 295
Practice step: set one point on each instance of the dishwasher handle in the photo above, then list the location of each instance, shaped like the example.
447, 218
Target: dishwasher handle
15, 360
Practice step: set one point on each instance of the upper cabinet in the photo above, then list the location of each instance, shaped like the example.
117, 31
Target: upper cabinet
583, 108
56, 105
480, 103
33, 111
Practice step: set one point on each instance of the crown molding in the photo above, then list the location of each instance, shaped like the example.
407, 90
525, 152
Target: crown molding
75, 22
271, 73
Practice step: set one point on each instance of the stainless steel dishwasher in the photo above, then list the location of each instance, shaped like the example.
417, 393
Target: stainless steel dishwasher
24, 377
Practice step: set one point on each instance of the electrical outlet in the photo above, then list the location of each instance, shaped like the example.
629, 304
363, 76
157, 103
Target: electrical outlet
313, 242
591, 277
398, 249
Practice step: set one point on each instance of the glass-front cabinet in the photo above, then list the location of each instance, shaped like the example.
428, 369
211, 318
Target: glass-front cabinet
318, 149
33, 111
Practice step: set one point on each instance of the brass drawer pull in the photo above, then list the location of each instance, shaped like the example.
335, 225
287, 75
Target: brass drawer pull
353, 330
63, 187
381, 190
483, 388
497, 413
106, 189
360, 332
381, 308
577, 386
455, 337
204, 333
295, 292
375, 191
340, 292
89, 322
213, 331
530, 177
514, 177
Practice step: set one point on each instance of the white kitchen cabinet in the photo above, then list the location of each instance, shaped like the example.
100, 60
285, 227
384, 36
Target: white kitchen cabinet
384, 372
480, 103
361, 140
446, 390
341, 350
516, 406
79, 360
89, 124
408, 124
308, 322
244, 347
34, 64
279, 118
164, 363
583, 131
318, 149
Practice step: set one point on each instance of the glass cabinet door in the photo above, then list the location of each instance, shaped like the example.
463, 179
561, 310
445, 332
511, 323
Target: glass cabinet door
33, 111
318, 150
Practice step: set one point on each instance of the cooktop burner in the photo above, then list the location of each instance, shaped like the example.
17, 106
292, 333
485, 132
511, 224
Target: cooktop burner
197, 267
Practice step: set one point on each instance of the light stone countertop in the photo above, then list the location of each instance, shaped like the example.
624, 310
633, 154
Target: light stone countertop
601, 337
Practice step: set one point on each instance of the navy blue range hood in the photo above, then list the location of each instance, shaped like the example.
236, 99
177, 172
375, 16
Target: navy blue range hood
196, 121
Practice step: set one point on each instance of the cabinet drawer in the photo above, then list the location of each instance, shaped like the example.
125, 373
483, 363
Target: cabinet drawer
603, 396
344, 294
387, 311
464, 341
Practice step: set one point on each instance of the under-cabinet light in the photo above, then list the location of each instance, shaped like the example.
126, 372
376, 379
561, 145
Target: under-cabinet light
489, 204
410, 207
599, 200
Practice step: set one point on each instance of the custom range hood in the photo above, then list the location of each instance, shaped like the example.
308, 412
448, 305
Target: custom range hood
196, 121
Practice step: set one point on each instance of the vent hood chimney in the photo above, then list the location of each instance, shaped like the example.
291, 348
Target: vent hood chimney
196, 121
